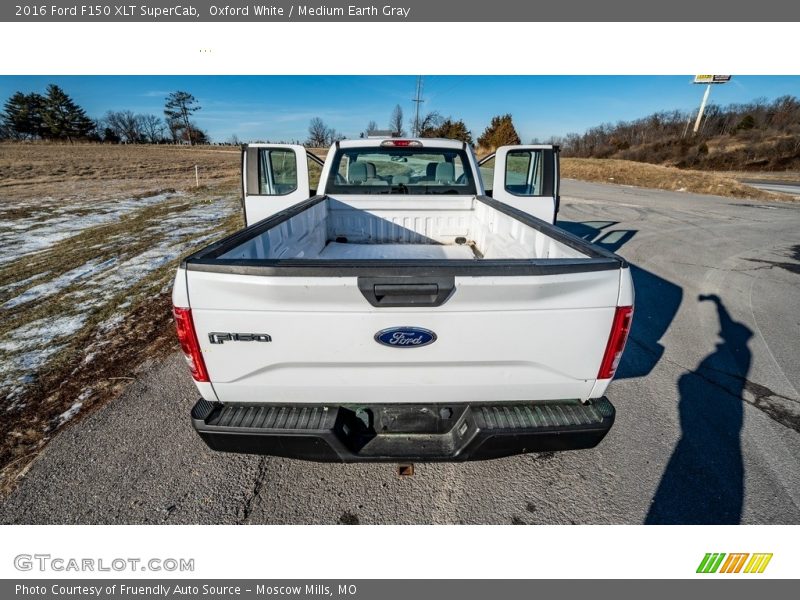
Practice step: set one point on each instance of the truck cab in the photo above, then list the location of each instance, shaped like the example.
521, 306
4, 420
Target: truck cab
276, 176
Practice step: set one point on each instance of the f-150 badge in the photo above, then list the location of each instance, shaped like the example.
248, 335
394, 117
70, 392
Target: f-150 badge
220, 338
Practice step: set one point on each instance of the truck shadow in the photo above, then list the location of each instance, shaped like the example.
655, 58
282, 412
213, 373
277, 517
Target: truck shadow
657, 300
703, 481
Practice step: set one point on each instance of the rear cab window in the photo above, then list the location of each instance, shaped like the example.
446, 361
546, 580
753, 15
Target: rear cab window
401, 171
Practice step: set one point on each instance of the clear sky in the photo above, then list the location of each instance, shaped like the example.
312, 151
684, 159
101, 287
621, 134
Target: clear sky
280, 107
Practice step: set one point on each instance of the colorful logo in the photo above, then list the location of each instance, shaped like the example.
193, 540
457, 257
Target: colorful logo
719, 562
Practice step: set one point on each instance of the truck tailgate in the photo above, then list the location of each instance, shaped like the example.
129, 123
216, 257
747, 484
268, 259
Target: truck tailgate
498, 338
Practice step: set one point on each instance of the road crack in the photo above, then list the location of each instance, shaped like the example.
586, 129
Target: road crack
771, 403
258, 484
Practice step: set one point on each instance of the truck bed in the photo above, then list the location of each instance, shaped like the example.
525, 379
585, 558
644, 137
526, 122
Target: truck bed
368, 251
521, 309
409, 228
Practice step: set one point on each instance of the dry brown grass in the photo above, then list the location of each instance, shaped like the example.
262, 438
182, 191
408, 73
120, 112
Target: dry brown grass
37, 178
776, 176
66, 171
626, 172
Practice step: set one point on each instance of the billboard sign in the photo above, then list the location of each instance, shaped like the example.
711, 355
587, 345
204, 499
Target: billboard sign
712, 78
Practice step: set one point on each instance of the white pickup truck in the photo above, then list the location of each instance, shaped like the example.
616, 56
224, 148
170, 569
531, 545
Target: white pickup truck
401, 312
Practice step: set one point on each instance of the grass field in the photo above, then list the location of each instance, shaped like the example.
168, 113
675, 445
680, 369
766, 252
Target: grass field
626, 172
91, 235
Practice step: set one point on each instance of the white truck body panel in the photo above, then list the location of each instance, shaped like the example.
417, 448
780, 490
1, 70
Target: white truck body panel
499, 339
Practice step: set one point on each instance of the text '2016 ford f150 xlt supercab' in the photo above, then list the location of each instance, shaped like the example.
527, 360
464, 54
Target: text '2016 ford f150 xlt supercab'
402, 312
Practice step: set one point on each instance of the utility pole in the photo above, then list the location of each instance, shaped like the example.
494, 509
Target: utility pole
417, 100
708, 80
702, 108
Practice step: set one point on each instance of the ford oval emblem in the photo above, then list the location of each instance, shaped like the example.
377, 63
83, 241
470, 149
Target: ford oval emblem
405, 337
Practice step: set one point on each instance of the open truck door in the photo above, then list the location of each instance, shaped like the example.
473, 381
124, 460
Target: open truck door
274, 177
524, 177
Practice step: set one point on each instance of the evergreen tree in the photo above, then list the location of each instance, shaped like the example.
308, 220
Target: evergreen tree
22, 116
110, 136
63, 118
500, 132
178, 108
449, 129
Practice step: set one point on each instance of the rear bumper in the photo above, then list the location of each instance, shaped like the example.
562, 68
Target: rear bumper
402, 432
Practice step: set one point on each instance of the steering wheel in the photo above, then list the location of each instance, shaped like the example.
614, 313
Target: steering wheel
462, 179
340, 180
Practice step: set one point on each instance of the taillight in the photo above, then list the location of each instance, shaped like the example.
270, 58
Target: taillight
401, 143
616, 342
187, 336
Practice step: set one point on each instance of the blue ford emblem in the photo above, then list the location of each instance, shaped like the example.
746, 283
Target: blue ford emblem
405, 337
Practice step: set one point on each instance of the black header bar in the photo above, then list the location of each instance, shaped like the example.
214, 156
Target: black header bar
715, 13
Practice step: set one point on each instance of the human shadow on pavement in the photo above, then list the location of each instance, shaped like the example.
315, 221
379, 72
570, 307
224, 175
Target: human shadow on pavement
657, 300
703, 481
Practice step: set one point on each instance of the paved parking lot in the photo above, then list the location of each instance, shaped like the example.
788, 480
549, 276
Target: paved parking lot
707, 399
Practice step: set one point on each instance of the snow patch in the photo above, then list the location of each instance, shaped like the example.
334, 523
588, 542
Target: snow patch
34, 234
9, 287
28, 348
59, 283
69, 414
41, 332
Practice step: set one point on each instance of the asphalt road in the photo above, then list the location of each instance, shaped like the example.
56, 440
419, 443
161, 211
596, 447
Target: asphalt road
707, 399
784, 187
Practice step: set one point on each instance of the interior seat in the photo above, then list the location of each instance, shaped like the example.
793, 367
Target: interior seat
357, 173
445, 173
430, 171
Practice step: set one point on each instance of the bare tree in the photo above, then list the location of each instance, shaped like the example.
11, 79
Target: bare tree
125, 125
319, 134
152, 127
175, 129
429, 122
396, 121
371, 126
333, 136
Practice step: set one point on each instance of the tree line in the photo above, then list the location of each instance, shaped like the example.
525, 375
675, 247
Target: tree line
55, 116
499, 132
665, 130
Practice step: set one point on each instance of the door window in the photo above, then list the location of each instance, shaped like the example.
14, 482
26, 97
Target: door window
277, 171
525, 172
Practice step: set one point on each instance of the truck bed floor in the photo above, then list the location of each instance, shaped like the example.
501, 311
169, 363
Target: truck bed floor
348, 251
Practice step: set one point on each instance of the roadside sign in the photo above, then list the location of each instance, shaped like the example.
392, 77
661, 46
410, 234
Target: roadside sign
712, 78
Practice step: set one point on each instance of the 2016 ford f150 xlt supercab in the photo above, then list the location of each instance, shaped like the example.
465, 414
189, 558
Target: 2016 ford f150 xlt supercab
402, 312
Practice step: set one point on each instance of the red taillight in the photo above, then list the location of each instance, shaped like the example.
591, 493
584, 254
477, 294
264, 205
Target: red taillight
188, 339
616, 342
401, 143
